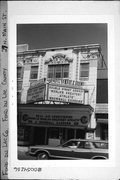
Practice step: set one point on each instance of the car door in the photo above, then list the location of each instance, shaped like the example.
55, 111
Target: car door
84, 151
64, 152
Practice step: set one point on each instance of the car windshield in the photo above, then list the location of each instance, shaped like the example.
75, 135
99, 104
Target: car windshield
70, 144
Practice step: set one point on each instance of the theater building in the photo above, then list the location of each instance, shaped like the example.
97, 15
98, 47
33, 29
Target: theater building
57, 94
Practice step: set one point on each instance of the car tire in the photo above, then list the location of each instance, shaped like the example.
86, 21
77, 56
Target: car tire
42, 156
96, 158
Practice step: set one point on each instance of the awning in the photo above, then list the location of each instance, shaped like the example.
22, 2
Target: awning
101, 109
100, 120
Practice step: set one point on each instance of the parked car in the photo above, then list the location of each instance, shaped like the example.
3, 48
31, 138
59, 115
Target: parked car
72, 149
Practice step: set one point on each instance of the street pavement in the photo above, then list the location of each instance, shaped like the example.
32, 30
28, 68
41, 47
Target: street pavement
22, 153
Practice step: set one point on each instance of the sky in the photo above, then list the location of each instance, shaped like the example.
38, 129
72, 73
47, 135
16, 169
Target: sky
39, 36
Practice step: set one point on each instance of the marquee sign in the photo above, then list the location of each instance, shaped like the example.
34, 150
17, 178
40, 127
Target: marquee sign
36, 92
64, 93
67, 91
66, 82
56, 118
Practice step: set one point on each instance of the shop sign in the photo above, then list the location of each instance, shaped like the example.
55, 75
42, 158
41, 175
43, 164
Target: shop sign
57, 119
90, 135
65, 94
67, 82
36, 93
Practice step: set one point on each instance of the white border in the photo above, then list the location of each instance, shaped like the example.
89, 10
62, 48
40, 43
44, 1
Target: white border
52, 168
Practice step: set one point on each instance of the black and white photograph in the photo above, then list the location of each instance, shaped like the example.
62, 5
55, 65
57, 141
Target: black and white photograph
62, 91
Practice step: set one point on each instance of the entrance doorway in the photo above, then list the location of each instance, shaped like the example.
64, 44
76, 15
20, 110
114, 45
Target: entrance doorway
73, 133
39, 136
53, 133
80, 134
70, 134
104, 131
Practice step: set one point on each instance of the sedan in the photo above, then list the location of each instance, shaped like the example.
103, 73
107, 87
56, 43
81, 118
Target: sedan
72, 149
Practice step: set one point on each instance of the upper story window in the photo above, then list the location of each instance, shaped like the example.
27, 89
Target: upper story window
19, 72
19, 85
58, 71
18, 97
84, 71
34, 72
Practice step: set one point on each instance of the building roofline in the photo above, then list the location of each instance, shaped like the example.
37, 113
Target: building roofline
22, 44
59, 48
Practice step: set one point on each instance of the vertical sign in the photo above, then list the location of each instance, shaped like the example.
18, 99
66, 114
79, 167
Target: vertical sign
4, 89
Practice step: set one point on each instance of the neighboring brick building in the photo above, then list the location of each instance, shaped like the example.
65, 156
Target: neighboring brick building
62, 83
101, 109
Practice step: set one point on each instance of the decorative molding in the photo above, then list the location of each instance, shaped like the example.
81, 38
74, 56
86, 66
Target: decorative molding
59, 59
77, 66
28, 58
19, 63
89, 55
35, 60
41, 66
76, 51
42, 53
31, 59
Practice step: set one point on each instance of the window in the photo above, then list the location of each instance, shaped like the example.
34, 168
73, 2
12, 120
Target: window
50, 71
23, 133
54, 133
84, 70
70, 144
18, 97
19, 72
58, 71
34, 72
65, 71
89, 145
19, 85
101, 145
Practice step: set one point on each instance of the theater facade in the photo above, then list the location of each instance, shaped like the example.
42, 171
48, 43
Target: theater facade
56, 93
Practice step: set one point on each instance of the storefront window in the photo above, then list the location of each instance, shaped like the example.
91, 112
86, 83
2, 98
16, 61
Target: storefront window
54, 133
104, 131
20, 134
23, 133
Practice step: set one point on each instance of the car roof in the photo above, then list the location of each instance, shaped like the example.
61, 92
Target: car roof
91, 140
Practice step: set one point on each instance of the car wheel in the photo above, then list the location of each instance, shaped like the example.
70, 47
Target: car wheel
96, 158
42, 155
